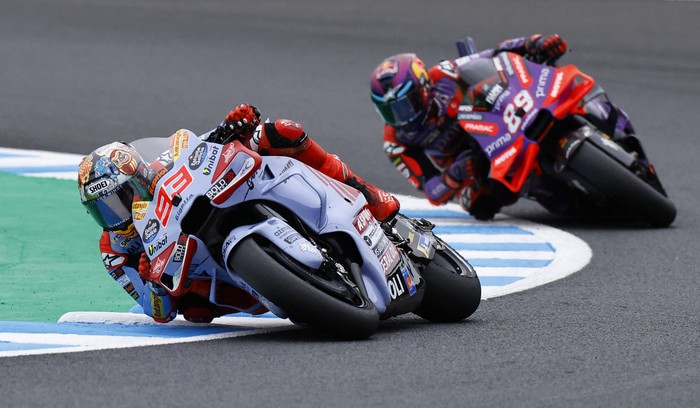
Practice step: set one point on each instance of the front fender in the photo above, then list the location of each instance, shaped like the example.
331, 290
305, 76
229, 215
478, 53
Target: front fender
280, 234
569, 144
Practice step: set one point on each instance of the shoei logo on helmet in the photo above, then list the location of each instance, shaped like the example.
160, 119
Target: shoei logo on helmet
100, 187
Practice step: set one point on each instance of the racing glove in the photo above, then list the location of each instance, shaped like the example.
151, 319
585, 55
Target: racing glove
461, 172
144, 267
243, 120
545, 49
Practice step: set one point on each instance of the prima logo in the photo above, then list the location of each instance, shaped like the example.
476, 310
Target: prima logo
500, 142
541, 82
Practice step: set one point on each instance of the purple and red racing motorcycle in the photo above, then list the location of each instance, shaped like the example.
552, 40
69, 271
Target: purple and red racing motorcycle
550, 133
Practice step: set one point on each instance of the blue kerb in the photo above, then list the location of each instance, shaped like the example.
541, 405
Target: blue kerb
40, 169
503, 246
437, 213
99, 329
498, 280
509, 263
5, 154
7, 346
480, 229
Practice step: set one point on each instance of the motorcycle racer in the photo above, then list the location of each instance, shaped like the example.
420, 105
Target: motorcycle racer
110, 180
288, 138
423, 139
114, 176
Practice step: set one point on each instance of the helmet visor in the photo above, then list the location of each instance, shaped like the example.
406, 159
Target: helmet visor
404, 109
112, 211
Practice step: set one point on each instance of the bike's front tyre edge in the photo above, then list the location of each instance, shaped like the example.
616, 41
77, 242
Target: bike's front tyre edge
619, 183
302, 301
452, 288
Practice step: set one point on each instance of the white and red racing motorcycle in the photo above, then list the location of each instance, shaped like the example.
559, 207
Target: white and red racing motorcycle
302, 244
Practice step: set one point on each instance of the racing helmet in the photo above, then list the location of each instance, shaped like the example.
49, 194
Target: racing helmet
401, 90
109, 180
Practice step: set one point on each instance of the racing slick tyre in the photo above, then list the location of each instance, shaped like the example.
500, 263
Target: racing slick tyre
622, 186
311, 298
452, 288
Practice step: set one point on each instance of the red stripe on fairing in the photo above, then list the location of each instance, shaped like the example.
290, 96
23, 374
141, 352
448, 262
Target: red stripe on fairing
342, 189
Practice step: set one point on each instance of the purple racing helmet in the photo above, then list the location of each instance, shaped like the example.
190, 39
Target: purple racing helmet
401, 89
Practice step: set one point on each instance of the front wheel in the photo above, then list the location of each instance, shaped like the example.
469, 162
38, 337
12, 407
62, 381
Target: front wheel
622, 186
318, 299
452, 288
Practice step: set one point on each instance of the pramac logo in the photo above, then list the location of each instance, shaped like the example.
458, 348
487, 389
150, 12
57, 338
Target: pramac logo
486, 128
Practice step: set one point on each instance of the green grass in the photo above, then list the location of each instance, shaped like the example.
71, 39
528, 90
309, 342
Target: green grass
50, 261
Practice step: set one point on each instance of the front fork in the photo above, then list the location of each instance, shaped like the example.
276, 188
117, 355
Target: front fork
416, 245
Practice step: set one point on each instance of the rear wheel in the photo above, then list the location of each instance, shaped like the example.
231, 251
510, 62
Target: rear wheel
452, 288
325, 300
622, 186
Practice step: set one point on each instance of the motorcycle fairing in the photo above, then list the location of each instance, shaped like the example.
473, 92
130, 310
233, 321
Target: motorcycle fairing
244, 176
566, 93
304, 190
158, 221
513, 166
237, 163
498, 122
280, 234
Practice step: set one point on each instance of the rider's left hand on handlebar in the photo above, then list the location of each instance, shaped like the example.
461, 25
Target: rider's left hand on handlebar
545, 48
243, 119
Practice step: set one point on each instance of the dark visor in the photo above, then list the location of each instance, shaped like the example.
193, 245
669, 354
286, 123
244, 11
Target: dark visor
112, 211
403, 109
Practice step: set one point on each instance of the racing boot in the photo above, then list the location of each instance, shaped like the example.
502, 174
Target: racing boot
383, 205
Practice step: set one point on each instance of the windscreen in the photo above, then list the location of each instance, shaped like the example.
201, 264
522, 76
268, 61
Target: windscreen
151, 148
485, 82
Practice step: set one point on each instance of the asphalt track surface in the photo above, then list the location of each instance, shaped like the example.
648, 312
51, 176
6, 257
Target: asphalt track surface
623, 332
